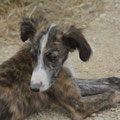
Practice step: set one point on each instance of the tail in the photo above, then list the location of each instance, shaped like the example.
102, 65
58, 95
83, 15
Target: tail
98, 86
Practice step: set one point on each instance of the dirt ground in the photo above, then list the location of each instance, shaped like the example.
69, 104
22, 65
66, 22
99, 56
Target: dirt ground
101, 29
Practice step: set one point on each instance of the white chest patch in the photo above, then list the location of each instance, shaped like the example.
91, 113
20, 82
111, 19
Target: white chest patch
40, 74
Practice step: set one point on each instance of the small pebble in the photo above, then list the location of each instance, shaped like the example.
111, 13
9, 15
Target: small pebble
100, 115
93, 115
102, 15
108, 118
113, 109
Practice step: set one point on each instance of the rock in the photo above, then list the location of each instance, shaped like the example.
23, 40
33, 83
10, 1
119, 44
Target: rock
93, 115
113, 109
100, 115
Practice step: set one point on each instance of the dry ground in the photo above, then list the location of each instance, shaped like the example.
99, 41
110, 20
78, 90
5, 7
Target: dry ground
101, 22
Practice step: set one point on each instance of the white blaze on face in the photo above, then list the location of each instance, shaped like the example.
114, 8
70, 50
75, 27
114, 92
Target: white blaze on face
41, 75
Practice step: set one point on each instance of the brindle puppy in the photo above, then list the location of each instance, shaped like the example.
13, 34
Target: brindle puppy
47, 62
50, 46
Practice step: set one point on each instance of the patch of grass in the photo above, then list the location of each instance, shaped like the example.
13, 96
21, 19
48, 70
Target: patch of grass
78, 12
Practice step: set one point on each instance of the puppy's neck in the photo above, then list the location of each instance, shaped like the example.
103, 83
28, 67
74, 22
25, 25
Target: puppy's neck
68, 65
66, 74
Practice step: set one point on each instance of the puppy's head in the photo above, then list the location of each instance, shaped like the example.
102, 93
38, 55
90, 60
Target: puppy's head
50, 45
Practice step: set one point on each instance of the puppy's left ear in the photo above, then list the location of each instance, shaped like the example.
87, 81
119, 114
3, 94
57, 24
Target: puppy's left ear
74, 39
28, 28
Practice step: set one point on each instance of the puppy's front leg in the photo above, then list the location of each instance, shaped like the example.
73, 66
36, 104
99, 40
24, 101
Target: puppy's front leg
68, 96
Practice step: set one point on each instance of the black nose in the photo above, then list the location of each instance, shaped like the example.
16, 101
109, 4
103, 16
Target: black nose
35, 89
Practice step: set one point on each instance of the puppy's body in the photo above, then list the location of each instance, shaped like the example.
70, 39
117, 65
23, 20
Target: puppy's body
17, 100
15, 93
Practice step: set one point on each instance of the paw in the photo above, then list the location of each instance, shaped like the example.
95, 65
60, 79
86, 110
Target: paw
76, 116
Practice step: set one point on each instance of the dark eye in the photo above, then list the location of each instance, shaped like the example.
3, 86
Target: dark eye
51, 58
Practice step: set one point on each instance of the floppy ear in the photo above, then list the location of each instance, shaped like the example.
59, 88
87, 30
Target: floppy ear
74, 39
28, 28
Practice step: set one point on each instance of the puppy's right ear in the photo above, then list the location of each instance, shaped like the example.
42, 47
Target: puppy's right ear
28, 28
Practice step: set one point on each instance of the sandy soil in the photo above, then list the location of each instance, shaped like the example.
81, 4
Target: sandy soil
103, 34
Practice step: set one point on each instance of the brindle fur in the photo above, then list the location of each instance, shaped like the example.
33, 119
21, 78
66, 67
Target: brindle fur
79, 97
